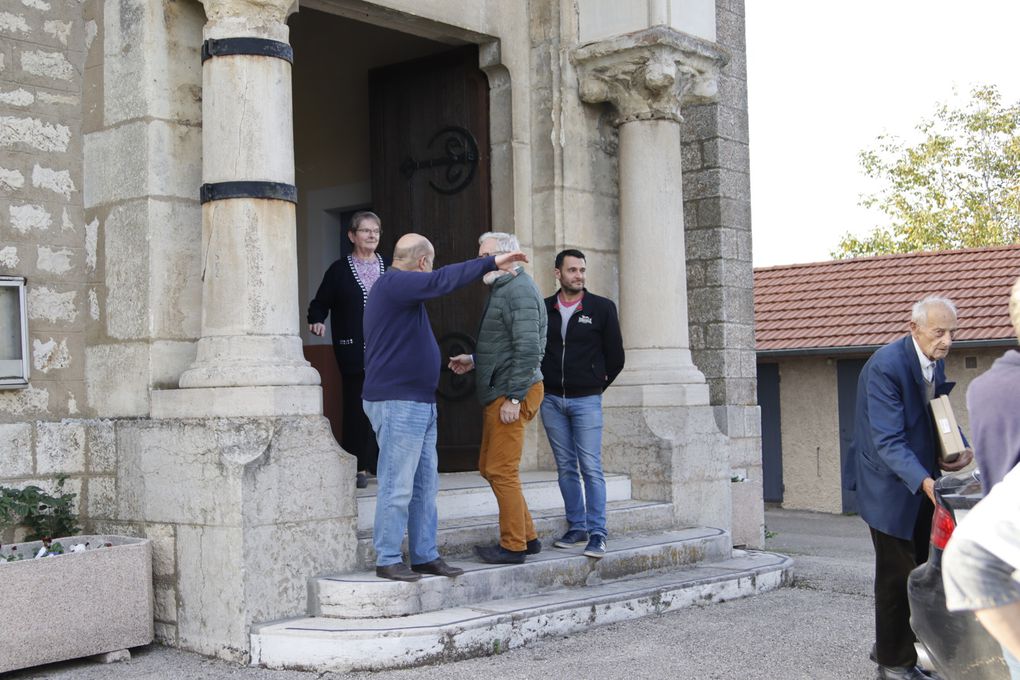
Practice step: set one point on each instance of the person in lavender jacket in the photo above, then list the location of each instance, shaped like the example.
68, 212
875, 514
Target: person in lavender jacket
402, 364
981, 565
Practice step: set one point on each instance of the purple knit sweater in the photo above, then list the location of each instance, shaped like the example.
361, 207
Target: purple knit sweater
993, 400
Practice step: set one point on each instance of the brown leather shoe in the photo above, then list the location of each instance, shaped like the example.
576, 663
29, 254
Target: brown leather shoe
437, 567
397, 572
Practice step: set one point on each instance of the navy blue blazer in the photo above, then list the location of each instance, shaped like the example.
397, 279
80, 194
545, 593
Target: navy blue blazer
894, 446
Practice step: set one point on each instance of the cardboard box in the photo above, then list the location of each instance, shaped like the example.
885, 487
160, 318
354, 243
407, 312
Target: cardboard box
950, 440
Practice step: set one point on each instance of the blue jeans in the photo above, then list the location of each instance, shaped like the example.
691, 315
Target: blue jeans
408, 479
574, 428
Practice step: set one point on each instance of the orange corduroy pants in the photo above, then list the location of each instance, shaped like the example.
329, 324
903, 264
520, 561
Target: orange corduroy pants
499, 462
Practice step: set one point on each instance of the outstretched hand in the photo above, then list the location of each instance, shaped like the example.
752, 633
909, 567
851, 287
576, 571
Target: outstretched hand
461, 364
507, 261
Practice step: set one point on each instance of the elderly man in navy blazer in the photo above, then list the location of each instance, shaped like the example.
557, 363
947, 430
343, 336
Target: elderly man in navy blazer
893, 466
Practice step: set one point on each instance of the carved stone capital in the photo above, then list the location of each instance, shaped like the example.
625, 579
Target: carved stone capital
649, 74
251, 11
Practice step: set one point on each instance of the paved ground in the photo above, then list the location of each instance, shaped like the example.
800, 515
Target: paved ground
818, 629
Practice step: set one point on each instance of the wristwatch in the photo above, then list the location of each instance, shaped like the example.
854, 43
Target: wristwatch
515, 401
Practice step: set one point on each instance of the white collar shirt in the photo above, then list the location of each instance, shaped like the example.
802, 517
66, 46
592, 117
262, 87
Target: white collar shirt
927, 365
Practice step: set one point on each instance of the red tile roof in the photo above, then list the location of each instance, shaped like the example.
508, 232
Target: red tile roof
866, 302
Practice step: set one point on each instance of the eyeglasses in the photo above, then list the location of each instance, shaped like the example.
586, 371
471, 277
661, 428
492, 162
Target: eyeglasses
374, 232
495, 252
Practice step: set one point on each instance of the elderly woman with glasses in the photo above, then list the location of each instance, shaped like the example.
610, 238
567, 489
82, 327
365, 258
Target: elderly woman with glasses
342, 296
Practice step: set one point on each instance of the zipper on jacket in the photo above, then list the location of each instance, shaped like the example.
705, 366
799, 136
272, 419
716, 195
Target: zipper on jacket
563, 359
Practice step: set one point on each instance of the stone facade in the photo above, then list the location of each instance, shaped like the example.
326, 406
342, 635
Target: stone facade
717, 220
167, 384
46, 429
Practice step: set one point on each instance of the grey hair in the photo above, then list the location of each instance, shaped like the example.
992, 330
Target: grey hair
919, 313
507, 242
1014, 307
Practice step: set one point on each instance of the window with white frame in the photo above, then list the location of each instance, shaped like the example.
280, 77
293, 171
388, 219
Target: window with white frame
13, 333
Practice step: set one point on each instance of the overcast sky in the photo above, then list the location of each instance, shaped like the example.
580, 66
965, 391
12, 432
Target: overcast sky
826, 78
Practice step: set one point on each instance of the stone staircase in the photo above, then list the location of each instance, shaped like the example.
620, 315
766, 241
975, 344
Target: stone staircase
357, 621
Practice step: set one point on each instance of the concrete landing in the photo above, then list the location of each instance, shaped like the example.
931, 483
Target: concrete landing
485, 628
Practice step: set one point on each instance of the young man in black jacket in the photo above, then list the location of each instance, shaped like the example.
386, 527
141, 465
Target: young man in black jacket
583, 355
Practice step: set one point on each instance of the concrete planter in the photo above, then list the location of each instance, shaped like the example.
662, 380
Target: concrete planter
75, 605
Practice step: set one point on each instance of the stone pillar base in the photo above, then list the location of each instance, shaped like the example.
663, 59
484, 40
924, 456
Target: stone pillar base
240, 360
672, 453
243, 512
236, 402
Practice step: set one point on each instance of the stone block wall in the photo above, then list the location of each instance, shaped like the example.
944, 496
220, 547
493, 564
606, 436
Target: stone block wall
100, 153
42, 229
720, 284
46, 429
143, 81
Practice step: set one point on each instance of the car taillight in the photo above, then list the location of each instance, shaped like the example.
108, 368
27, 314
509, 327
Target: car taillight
942, 526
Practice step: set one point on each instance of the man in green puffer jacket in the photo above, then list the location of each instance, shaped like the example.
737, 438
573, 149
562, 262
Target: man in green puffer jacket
508, 356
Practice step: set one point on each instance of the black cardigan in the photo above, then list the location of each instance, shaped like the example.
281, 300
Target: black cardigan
341, 296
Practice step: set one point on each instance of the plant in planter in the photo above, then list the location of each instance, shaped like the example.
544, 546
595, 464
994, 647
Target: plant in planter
100, 585
43, 515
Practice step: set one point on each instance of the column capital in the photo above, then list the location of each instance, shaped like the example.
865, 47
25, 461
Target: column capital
649, 74
253, 11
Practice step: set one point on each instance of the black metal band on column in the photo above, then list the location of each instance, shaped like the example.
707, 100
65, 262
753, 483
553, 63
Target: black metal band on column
256, 47
220, 191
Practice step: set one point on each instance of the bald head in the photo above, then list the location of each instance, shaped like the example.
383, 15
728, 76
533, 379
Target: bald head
410, 250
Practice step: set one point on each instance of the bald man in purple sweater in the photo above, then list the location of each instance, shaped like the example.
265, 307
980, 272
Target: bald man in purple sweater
402, 364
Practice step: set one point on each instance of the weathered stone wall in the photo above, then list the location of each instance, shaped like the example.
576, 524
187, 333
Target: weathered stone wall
142, 154
100, 154
575, 190
45, 238
717, 221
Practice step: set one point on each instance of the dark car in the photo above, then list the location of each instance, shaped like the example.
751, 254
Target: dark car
957, 645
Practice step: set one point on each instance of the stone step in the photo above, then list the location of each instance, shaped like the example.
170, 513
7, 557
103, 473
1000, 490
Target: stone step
458, 536
343, 645
364, 595
466, 494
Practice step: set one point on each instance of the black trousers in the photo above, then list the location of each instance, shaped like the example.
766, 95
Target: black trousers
356, 433
894, 560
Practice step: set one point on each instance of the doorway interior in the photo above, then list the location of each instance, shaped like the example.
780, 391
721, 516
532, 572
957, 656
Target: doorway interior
398, 124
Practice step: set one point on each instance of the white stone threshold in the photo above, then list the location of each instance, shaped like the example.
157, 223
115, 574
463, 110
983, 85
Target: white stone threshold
485, 628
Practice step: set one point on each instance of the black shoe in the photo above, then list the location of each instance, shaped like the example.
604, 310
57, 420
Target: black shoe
901, 673
497, 554
596, 546
572, 539
397, 572
534, 547
361, 481
437, 567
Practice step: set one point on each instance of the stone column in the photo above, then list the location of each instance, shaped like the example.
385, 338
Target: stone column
249, 358
660, 426
238, 467
646, 76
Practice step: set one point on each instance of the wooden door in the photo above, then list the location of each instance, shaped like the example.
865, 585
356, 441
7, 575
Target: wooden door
430, 175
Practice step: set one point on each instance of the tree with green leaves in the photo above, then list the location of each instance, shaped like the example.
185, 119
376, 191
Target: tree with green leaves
958, 187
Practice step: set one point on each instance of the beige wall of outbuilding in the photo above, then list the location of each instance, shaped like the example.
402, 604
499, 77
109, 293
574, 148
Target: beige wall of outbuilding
809, 412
